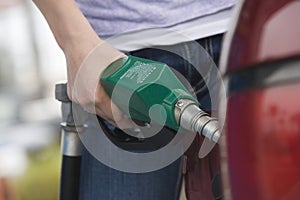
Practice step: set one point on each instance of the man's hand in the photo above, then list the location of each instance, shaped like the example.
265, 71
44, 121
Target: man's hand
86, 55
84, 70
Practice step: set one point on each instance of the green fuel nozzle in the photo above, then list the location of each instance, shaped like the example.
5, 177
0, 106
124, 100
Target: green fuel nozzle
138, 85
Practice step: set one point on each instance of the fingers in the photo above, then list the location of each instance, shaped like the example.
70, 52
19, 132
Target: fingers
105, 108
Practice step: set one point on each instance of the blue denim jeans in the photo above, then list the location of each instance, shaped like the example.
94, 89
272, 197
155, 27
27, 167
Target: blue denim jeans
101, 182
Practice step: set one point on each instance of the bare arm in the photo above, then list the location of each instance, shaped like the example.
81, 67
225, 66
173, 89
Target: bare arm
77, 39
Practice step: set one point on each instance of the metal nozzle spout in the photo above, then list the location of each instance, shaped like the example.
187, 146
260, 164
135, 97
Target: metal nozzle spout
191, 117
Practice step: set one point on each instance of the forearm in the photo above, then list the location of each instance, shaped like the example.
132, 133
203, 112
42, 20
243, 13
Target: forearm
86, 56
67, 23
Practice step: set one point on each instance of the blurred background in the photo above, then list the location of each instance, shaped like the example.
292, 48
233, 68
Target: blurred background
30, 64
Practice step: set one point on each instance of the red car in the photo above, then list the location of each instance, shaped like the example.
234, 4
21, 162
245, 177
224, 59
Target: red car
262, 67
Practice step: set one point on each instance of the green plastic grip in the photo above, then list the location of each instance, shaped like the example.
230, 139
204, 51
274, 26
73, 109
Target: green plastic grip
138, 85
